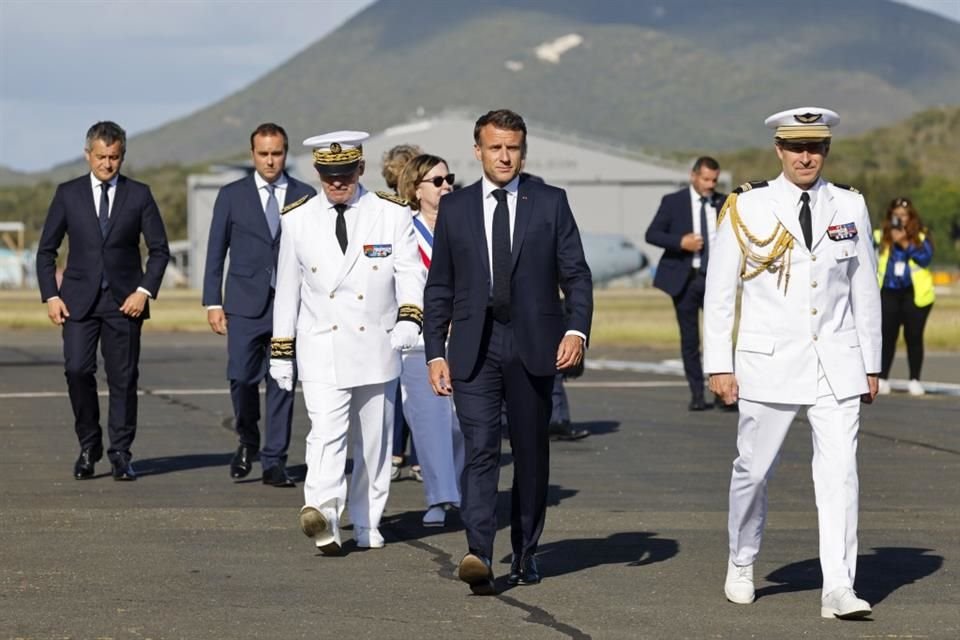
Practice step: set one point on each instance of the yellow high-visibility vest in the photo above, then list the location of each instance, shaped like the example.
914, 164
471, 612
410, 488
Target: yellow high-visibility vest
920, 276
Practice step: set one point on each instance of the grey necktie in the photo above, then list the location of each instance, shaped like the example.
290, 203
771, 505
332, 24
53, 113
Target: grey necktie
272, 210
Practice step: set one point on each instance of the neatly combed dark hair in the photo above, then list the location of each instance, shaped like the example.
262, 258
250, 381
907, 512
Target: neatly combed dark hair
110, 133
705, 162
502, 119
270, 129
412, 174
394, 160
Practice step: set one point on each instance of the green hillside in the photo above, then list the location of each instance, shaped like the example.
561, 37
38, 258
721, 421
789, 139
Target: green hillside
647, 73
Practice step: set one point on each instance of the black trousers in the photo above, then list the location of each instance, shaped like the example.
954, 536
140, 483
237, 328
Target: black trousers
501, 378
687, 305
897, 309
248, 361
119, 339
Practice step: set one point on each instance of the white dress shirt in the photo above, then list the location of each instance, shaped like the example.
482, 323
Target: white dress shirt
489, 206
280, 192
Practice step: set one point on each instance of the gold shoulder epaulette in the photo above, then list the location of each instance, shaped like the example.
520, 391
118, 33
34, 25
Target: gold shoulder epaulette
753, 184
392, 197
847, 187
294, 205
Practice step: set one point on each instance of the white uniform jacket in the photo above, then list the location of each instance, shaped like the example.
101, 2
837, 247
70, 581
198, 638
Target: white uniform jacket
829, 314
339, 306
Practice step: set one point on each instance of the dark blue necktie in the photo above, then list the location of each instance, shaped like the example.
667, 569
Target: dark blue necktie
502, 260
104, 213
104, 216
705, 234
806, 223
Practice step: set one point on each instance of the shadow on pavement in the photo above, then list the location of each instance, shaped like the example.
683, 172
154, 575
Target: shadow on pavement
633, 549
172, 464
878, 574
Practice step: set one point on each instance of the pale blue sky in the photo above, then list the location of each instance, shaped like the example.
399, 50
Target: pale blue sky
159, 59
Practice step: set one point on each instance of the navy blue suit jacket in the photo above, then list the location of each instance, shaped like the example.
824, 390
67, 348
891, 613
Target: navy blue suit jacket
674, 220
92, 254
547, 257
240, 225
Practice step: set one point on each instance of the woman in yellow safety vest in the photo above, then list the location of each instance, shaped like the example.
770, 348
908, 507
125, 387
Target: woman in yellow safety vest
906, 288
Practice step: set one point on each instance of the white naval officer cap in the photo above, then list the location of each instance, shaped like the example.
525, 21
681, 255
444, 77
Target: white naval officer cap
337, 153
803, 123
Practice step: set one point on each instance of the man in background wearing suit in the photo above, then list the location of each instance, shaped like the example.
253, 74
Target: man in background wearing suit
503, 249
685, 227
246, 221
103, 296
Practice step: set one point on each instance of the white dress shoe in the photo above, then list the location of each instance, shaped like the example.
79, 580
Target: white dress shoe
883, 387
368, 538
322, 527
915, 388
739, 584
436, 516
843, 603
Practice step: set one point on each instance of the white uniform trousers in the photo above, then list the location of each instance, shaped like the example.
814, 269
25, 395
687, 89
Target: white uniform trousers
436, 432
762, 429
364, 415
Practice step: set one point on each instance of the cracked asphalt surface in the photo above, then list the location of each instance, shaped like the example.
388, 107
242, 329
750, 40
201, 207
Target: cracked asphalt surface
634, 546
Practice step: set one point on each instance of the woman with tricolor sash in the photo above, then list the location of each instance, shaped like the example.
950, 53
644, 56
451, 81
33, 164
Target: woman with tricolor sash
432, 419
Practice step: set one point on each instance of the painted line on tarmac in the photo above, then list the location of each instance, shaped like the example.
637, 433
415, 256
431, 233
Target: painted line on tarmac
675, 367
664, 367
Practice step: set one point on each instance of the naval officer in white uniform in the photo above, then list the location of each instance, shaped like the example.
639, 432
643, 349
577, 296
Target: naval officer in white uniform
809, 337
349, 297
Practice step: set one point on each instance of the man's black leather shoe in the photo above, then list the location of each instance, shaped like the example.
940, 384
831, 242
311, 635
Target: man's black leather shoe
477, 571
277, 476
123, 471
566, 431
523, 571
242, 462
697, 403
83, 467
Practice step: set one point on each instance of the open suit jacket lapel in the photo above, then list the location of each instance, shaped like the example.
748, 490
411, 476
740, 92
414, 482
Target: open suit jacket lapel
823, 215
786, 212
255, 208
116, 209
525, 211
476, 226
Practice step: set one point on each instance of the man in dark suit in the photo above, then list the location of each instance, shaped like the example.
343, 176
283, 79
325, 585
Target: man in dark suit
503, 249
103, 296
246, 221
684, 226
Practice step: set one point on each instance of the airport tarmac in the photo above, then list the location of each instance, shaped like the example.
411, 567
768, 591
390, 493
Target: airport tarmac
634, 546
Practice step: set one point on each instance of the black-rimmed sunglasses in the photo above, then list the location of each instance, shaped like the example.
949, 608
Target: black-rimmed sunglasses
439, 180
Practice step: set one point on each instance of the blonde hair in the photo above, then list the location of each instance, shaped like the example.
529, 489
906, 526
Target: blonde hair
394, 160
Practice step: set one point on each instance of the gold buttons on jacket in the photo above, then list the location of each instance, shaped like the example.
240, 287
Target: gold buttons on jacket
813, 312
359, 296
814, 284
375, 267
314, 269
813, 257
331, 295
362, 328
333, 328
814, 337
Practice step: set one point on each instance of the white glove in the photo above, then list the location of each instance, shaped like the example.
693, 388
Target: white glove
404, 335
281, 370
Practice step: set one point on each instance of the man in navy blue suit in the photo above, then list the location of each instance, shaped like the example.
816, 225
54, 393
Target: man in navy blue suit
503, 249
103, 296
684, 226
246, 221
